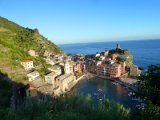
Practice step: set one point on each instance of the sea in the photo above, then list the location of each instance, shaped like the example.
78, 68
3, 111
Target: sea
145, 53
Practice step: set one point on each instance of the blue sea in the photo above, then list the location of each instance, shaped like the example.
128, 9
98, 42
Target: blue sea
145, 52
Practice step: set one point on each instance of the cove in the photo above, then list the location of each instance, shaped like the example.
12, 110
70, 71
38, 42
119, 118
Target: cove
100, 88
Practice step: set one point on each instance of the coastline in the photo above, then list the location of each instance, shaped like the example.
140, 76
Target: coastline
91, 75
125, 84
76, 82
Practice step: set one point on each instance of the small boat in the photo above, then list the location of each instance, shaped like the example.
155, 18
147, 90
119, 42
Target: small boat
137, 99
114, 83
140, 106
100, 90
131, 93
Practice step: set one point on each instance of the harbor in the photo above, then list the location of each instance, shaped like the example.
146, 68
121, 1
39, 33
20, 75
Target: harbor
101, 89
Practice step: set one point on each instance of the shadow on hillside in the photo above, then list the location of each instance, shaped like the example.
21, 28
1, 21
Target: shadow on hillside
12, 94
24, 104
16, 95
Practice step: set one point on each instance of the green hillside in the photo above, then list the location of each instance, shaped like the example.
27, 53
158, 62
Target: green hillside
15, 41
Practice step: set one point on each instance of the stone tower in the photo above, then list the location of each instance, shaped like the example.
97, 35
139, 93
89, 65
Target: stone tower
118, 46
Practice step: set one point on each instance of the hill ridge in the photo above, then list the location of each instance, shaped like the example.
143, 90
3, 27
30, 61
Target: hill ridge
15, 41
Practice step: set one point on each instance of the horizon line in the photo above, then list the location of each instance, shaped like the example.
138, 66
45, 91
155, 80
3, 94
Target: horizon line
110, 41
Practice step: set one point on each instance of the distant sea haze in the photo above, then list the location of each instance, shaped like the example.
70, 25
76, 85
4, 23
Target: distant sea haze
145, 52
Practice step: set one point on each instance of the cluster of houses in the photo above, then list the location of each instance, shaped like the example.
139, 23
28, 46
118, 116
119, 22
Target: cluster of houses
110, 69
62, 75
112, 63
64, 70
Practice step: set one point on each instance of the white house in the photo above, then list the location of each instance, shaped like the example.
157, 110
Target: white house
97, 54
102, 58
27, 64
33, 76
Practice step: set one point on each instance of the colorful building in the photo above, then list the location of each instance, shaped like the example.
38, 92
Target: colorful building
115, 70
101, 68
114, 56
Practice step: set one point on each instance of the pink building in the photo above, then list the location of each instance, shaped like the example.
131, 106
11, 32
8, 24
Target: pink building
115, 70
114, 56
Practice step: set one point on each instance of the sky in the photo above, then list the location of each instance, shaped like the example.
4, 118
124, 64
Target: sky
81, 21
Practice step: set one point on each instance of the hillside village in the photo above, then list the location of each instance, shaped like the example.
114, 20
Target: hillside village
64, 71
62, 75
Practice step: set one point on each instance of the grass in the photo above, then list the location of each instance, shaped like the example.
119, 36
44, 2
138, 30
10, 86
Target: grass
15, 41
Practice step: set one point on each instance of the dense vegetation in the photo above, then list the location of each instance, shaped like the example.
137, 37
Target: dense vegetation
149, 89
74, 107
149, 86
116, 51
15, 41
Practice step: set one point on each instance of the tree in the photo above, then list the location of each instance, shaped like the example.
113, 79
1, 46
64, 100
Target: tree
149, 89
149, 85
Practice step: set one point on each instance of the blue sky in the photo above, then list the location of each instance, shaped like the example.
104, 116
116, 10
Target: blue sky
78, 21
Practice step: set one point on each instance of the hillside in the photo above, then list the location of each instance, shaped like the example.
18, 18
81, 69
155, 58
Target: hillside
15, 41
